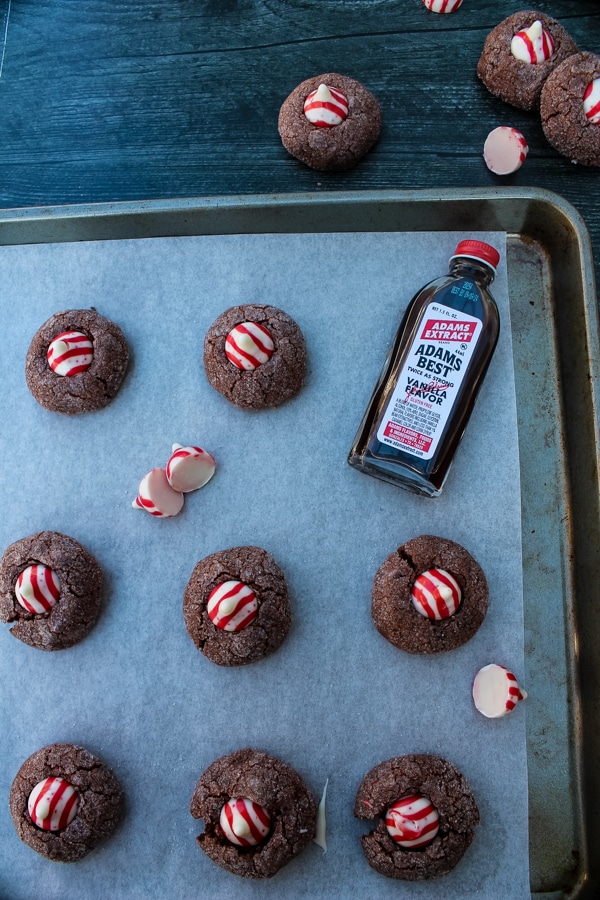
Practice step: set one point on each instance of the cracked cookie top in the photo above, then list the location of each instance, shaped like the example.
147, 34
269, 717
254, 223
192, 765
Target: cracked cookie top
51, 588
98, 808
446, 790
236, 607
255, 356
76, 362
263, 782
396, 596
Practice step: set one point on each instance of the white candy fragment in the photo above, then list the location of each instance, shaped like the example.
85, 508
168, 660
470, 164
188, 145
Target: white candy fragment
189, 468
496, 691
157, 497
505, 150
320, 837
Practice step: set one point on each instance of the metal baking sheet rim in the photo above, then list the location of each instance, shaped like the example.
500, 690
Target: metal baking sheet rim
529, 215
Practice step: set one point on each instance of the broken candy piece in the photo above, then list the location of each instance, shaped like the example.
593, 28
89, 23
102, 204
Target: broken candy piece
505, 150
157, 497
189, 468
496, 691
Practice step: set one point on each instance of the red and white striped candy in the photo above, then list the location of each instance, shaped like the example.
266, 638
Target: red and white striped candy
413, 821
591, 101
505, 150
326, 107
436, 594
244, 823
496, 691
157, 497
249, 345
532, 45
189, 468
37, 588
70, 353
442, 6
53, 804
232, 605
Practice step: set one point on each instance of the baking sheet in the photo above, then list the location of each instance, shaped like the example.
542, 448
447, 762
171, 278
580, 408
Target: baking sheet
336, 699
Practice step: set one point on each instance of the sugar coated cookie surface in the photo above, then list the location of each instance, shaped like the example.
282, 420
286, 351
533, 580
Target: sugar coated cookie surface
248, 576
278, 816
276, 373
515, 79
76, 362
342, 144
398, 619
435, 795
571, 125
64, 801
51, 589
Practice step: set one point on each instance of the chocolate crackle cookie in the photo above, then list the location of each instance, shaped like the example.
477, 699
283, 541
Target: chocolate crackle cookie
519, 55
329, 122
255, 356
51, 588
236, 607
426, 817
76, 362
63, 801
258, 813
429, 595
570, 109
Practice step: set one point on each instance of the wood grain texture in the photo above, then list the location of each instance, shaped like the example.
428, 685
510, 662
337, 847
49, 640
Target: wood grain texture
134, 100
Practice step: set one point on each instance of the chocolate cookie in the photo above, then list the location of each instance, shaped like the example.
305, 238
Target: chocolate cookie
82, 807
60, 586
564, 120
255, 356
236, 607
395, 614
435, 780
258, 813
96, 355
513, 80
337, 147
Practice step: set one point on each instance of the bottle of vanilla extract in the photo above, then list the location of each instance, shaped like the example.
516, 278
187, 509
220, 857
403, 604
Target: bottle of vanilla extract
427, 388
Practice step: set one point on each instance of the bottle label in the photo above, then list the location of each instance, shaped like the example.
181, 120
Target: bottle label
429, 381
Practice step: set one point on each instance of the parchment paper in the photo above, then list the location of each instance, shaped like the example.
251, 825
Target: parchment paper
336, 699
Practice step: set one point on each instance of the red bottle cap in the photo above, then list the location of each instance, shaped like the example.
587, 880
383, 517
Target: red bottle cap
478, 250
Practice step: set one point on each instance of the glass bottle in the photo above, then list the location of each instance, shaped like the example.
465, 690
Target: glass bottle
429, 383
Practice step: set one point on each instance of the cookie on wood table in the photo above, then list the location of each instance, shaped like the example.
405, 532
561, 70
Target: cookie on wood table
64, 801
255, 356
520, 53
51, 588
426, 817
329, 122
258, 813
76, 362
430, 595
570, 109
236, 606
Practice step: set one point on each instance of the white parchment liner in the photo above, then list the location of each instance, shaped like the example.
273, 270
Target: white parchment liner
336, 699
